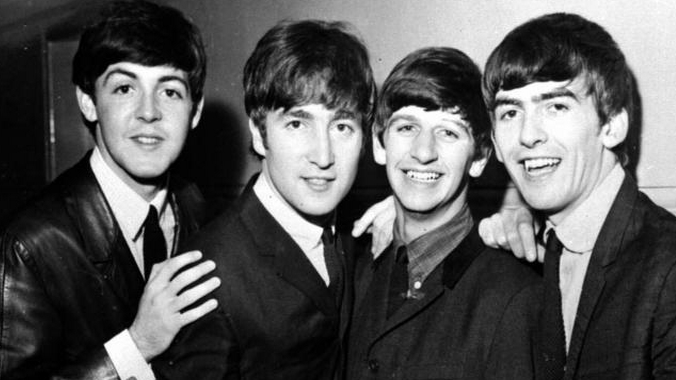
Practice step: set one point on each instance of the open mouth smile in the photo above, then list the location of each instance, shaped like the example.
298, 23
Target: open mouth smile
422, 176
541, 165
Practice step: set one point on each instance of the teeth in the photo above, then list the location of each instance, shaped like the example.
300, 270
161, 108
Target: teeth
147, 140
540, 163
422, 176
317, 181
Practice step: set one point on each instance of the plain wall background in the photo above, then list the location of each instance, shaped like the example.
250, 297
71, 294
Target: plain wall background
645, 31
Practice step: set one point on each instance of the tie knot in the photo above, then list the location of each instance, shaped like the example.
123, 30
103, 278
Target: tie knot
553, 243
327, 236
402, 255
152, 217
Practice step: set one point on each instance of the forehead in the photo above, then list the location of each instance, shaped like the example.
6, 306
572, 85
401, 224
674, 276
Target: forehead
135, 71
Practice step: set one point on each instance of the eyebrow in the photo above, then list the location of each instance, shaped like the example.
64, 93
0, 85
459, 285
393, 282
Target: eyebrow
462, 124
163, 79
556, 93
344, 114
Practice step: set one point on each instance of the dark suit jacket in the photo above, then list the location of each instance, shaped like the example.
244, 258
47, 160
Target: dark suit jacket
474, 321
69, 281
276, 318
626, 319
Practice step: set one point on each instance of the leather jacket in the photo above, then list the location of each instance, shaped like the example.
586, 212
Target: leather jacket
69, 281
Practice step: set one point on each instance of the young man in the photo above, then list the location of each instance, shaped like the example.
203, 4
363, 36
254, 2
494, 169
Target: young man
285, 296
75, 262
438, 303
560, 91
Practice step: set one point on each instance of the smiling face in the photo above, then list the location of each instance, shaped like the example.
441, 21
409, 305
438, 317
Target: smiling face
310, 156
428, 156
143, 115
549, 136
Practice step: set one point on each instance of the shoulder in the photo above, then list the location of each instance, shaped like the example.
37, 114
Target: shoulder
506, 270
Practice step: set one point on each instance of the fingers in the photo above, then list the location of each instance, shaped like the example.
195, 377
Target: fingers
198, 312
193, 294
366, 220
381, 240
191, 275
164, 271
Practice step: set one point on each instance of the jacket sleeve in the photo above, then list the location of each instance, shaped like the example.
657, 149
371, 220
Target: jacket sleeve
512, 353
664, 332
31, 326
205, 350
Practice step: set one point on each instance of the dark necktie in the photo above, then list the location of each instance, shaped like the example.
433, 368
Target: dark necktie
154, 245
333, 264
398, 281
553, 337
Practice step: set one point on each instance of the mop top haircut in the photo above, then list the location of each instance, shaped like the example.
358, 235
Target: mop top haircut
305, 62
144, 33
563, 47
437, 78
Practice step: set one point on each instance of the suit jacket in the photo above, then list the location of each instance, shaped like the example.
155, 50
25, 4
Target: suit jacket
473, 321
276, 317
69, 281
625, 326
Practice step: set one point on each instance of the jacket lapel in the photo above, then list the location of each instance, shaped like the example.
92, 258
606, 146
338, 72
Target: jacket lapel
101, 236
286, 258
442, 279
616, 231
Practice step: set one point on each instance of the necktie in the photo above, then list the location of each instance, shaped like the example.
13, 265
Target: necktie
398, 281
333, 264
154, 245
553, 336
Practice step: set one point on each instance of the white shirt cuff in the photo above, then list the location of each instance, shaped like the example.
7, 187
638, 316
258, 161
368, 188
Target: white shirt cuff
127, 359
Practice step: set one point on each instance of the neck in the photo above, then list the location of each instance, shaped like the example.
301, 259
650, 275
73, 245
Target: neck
412, 224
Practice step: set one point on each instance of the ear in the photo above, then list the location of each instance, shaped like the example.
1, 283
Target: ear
614, 132
198, 113
479, 163
498, 154
87, 106
256, 138
379, 155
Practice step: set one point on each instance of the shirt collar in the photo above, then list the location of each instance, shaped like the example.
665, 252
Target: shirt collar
579, 230
307, 235
129, 208
428, 250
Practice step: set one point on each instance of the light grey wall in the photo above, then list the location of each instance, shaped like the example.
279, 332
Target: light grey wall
645, 31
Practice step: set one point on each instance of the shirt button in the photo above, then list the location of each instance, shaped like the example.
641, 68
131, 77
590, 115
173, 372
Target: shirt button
417, 285
374, 365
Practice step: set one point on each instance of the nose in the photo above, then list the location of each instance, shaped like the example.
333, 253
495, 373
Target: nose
424, 148
532, 133
322, 155
148, 109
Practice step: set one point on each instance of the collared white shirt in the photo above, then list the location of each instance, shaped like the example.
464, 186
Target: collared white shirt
307, 235
578, 233
130, 211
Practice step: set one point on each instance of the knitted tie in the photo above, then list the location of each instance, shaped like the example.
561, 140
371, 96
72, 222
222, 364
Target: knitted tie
553, 336
333, 264
154, 245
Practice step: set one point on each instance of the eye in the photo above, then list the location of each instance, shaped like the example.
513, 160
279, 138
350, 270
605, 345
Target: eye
448, 134
558, 107
294, 124
174, 94
405, 128
507, 115
122, 89
344, 128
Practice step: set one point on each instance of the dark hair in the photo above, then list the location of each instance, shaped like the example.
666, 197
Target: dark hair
561, 47
144, 33
437, 78
310, 61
